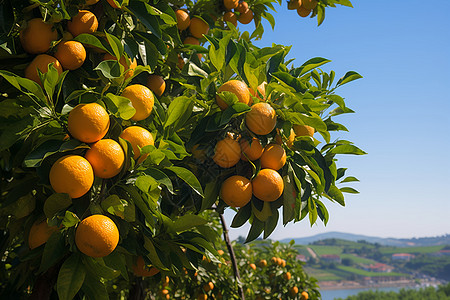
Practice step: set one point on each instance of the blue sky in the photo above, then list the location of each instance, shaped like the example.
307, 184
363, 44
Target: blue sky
402, 48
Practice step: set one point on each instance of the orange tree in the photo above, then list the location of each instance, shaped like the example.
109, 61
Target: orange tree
120, 120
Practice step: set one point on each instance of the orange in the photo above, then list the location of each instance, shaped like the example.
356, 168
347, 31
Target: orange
290, 139
141, 269
263, 263
253, 266
191, 41
88, 122
128, 64
180, 63
231, 17
71, 54
39, 234
183, 19
261, 89
294, 4
274, 260
91, 2
198, 27
236, 191
72, 174
220, 252
242, 7
303, 130
113, 5
252, 151
293, 291
83, 22
309, 4
230, 4
303, 12
246, 17
283, 263
138, 137
37, 36
287, 276
304, 296
97, 236
208, 287
237, 87
156, 84
142, 100
227, 152
41, 62
268, 185
106, 158
261, 119
202, 297
273, 157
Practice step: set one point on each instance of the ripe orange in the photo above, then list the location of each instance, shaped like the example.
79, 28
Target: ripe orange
191, 41
283, 263
290, 139
71, 54
198, 27
294, 4
246, 17
261, 119
304, 296
236, 191
242, 7
268, 185
303, 130
303, 12
273, 157
287, 276
274, 260
156, 84
37, 36
138, 138
83, 22
261, 89
71, 174
202, 297
180, 63
293, 291
237, 87
227, 152
220, 252
230, 4
128, 64
106, 158
97, 236
252, 151
141, 98
141, 269
91, 2
231, 17
208, 287
88, 122
263, 263
183, 19
39, 234
113, 5
309, 4
41, 62
253, 266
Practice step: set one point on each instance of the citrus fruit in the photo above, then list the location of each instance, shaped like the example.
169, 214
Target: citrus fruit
208, 287
227, 152
242, 7
37, 36
303, 12
180, 63
268, 185
236, 191
303, 130
97, 236
106, 158
273, 157
39, 234
261, 119
304, 296
141, 269
237, 87
261, 89
287, 275
220, 252
191, 41
274, 260
202, 297
230, 4
88, 122
309, 4
141, 98
231, 17
156, 84
138, 137
113, 5
128, 64
72, 174
41, 62
183, 19
83, 22
71, 54
246, 17
289, 141
253, 266
293, 291
262, 263
91, 2
198, 27
294, 4
252, 151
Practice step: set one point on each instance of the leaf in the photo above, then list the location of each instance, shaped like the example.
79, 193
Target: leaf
311, 64
271, 224
348, 77
96, 266
54, 250
242, 216
289, 196
186, 222
336, 194
320, 14
50, 147
117, 261
94, 288
119, 207
349, 190
119, 106
146, 15
70, 278
322, 212
255, 230
111, 69
176, 109
89, 39
160, 177
116, 45
264, 213
70, 219
349, 179
211, 194
188, 177
347, 149
56, 203
25, 85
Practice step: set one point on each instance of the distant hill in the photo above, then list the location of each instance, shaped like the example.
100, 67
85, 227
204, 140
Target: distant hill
426, 241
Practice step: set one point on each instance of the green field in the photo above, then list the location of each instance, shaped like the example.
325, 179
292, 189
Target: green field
358, 259
325, 250
367, 273
322, 275
412, 250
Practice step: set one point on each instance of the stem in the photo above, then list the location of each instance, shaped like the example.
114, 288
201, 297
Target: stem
137, 290
232, 256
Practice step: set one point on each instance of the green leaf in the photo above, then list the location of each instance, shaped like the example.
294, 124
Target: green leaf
54, 250
322, 212
146, 183
212, 190
70, 219
119, 106
70, 278
320, 14
96, 266
271, 223
94, 288
242, 216
119, 207
347, 149
310, 65
146, 14
111, 69
176, 109
312, 209
233, 111
188, 177
348, 77
116, 45
153, 254
262, 213
56, 203
186, 222
336, 194
50, 147
255, 230
117, 261
349, 190
349, 179
289, 196
26, 86
92, 40
160, 177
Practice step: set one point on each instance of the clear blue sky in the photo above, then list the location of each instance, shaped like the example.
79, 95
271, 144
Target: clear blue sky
402, 48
